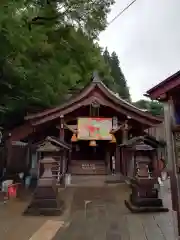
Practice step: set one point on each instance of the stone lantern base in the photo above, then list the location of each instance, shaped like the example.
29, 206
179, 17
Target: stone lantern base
144, 198
45, 202
45, 199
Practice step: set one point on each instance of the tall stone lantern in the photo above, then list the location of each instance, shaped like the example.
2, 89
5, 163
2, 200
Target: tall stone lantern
45, 199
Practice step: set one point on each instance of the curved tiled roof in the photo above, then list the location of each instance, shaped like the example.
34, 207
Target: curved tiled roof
95, 83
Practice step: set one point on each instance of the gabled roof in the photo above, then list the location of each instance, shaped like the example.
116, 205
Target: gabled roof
88, 95
58, 142
53, 144
165, 86
143, 139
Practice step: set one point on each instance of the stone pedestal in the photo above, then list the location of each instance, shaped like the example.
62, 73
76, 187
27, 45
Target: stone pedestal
144, 197
45, 198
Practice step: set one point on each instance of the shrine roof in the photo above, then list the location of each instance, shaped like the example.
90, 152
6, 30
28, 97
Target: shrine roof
148, 140
58, 142
47, 146
164, 87
88, 93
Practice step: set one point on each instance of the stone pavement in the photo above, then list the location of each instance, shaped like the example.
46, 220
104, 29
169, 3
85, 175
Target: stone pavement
96, 213
13, 226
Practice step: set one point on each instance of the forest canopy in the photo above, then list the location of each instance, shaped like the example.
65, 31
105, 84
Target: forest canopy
48, 49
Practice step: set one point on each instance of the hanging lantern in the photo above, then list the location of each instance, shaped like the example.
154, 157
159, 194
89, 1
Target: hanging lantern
92, 143
113, 140
74, 138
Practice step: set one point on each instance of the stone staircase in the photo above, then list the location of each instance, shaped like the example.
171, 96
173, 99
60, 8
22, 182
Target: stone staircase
87, 180
82, 167
95, 180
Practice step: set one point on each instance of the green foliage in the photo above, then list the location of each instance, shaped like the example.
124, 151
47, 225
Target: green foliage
119, 84
47, 48
154, 107
88, 15
142, 104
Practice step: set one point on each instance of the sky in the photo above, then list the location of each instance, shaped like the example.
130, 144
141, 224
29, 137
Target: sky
146, 38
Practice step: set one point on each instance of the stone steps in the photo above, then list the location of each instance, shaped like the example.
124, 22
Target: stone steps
88, 181
95, 180
83, 167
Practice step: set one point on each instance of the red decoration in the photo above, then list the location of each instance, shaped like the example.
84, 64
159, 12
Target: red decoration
12, 191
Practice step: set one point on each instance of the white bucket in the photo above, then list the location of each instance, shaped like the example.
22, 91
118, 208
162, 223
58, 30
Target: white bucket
5, 185
68, 179
27, 181
21, 175
164, 176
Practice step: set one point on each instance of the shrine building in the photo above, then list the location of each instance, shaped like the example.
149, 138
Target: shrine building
94, 123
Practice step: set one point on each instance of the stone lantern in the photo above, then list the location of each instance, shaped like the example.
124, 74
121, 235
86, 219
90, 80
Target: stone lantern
144, 181
45, 199
47, 178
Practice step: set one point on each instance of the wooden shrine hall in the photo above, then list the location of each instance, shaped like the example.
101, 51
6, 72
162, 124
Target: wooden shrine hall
94, 122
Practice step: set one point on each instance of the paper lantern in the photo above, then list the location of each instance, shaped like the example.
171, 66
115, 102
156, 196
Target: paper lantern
92, 143
74, 138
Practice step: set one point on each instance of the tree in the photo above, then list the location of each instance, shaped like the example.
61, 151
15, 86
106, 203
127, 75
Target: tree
154, 107
47, 49
119, 84
142, 104
87, 15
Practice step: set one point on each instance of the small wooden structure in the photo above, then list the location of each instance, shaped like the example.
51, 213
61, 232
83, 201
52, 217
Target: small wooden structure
127, 151
143, 173
167, 92
45, 198
60, 151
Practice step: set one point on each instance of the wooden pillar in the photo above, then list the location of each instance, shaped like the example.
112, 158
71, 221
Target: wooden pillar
125, 132
171, 164
61, 133
117, 158
108, 162
29, 156
124, 136
124, 159
64, 166
69, 159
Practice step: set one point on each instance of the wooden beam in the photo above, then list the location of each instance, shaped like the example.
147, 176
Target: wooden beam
85, 102
171, 164
72, 129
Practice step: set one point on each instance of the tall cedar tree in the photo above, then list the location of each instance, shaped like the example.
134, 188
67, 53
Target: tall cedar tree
119, 84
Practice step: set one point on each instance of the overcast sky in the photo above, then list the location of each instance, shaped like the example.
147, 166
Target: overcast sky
147, 40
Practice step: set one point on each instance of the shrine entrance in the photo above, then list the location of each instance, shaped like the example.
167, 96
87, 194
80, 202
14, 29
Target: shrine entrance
86, 159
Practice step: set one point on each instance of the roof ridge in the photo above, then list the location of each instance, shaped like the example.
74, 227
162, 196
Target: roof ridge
126, 102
